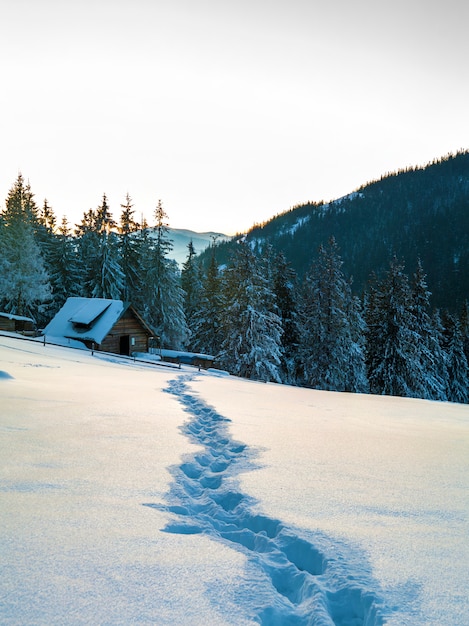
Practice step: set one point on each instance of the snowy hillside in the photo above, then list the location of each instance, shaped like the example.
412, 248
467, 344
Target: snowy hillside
132, 493
411, 213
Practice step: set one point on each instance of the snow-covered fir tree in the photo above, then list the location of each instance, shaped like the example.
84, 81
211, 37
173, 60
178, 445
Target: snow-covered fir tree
47, 222
285, 287
432, 385
191, 284
252, 332
99, 252
332, 344
103, 219
24, 282
465, 327
65, 273
456, 363
206, 327
164, 297
395, 366
356, 340
109, 280
440, 348
129, 250
45, 225
87, 239
144, 243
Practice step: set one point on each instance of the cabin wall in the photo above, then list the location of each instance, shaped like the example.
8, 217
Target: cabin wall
7, 324
129, 326
24, 327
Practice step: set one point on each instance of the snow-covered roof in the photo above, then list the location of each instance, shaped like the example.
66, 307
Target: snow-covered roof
86, 319
18, 318
184, 354
90, 310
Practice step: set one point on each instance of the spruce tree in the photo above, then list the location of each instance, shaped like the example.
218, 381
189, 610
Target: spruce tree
47, 217
144, 246
164, 301
332, 343
87, 238
163, 242
24, 282
431, 385
395, 367
456, 362
207, 320
104, 222
191, 284
45, 225
441, 354
356, 341
465, 328
99, 253
252, 332
29, 205
372, 312
129, 251
109, 280
285, 287
66, 272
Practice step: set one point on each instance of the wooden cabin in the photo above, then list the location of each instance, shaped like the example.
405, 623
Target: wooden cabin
17, 324
101, 324
129, 334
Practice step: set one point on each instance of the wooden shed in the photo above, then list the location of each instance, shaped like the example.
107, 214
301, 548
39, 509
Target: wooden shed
17, 324
101, 324
197, 359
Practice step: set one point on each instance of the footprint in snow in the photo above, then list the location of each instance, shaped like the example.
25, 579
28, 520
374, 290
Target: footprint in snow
306, 586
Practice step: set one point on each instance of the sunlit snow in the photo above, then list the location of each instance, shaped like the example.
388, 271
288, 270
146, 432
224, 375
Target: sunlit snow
147, 494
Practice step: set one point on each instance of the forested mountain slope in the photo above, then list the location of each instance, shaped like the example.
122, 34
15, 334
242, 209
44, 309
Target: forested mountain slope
421, 212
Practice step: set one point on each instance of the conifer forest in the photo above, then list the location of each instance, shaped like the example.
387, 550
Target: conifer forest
264, 312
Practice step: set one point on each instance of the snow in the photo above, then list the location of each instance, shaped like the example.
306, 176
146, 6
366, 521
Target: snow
136, 494
300, 222
182, 354
99, 313
87, 312
18, 318
349, 196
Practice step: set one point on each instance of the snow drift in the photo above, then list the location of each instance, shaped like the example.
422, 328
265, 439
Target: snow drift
132, 493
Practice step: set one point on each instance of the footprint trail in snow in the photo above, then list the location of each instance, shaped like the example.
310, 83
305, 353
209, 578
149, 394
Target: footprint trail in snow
301, 582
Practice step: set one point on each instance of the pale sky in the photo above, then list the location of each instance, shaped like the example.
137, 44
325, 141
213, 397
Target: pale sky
230, 111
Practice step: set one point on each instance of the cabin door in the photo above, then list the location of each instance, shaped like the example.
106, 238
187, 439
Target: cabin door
124, 344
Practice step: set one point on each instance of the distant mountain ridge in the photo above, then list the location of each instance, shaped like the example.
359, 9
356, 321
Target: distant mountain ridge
181, 238
420, 212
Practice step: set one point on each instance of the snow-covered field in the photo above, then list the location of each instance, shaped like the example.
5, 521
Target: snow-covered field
139, 494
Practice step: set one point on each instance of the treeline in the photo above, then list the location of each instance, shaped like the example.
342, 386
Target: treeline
254, 314
42, 263
265, 324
